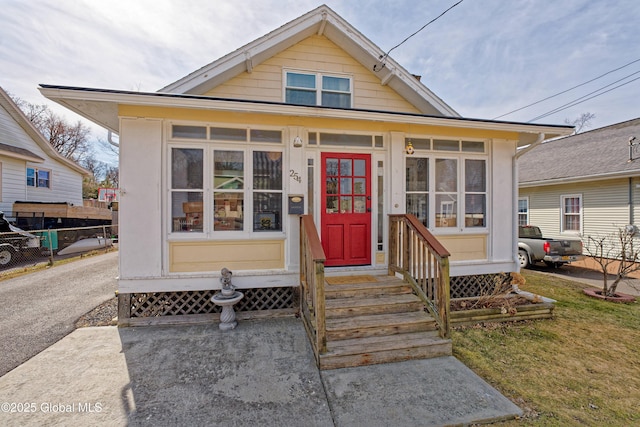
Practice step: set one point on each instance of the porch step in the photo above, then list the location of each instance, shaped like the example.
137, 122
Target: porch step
383, 349
378, 322
343, 307
341, 328
373, 289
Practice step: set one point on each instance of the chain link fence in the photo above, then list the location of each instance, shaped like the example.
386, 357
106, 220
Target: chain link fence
21, 249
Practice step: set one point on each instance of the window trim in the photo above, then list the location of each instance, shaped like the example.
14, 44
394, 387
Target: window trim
564, 197
318, 89
461, 192
209, 146
526, 212
36, 178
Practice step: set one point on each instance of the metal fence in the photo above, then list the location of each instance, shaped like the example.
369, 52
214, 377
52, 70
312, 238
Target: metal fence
21, 249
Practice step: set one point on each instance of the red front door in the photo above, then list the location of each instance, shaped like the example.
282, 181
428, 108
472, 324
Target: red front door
346, 208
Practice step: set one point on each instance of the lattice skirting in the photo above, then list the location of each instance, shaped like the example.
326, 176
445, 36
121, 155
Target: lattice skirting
479, 284
187, 303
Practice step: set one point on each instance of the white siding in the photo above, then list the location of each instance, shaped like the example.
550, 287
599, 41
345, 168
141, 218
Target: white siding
501, 181
66, 183
13, 182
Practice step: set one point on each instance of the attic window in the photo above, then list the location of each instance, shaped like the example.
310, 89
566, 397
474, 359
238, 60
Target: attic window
302, 89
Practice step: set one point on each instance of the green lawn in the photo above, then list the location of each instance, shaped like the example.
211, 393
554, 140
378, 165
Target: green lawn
580, 368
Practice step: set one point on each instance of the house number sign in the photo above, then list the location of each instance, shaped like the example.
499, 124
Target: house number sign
295, 175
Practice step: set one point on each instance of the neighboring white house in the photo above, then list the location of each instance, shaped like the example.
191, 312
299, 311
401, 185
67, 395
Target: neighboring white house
583, 185
216, 167
30, 168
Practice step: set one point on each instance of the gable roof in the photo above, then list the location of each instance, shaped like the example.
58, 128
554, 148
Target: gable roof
323, 21
597, 154
16, 113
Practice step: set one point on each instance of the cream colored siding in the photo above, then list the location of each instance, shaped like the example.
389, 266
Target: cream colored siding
465, 248
314, 54
605, 206
635, 188
235, 255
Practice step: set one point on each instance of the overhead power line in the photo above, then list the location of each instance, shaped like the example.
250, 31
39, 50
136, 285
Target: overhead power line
568, 90
581, 100
380, 65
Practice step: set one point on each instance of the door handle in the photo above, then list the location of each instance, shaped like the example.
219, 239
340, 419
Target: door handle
368, 209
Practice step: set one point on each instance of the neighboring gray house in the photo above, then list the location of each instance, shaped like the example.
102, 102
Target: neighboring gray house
30, 168
586, 184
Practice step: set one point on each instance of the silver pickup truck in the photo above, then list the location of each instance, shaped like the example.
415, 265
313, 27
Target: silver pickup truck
533, 248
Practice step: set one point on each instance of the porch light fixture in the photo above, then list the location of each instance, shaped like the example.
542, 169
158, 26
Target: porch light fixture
297, 142
409, 148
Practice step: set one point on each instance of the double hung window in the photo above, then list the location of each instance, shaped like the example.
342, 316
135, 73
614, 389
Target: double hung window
523, 211
318, 89
38, 178
571, 213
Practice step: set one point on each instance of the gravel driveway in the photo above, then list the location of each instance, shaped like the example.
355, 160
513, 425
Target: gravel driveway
40, 308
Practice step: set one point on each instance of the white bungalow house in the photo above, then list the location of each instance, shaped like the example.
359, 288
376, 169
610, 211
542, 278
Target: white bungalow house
30, 168
216, 168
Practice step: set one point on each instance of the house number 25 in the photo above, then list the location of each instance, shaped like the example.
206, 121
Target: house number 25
295, 175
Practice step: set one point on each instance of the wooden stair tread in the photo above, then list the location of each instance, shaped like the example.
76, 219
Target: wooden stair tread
374, 320
329, 289
363, 302
382, 343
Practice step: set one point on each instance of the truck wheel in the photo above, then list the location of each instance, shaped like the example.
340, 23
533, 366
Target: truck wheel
553, 264
6, 255
523, 258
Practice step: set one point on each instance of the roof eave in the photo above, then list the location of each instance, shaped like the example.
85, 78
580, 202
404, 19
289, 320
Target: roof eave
101, 107
35, 134
579, 179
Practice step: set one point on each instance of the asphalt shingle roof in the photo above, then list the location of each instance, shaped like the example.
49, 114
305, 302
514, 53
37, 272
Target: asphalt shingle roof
589, 154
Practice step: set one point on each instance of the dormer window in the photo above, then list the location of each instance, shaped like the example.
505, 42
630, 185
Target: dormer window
317, 89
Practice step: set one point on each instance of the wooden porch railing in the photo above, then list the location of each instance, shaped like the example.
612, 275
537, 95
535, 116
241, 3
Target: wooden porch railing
416, 254
312, 297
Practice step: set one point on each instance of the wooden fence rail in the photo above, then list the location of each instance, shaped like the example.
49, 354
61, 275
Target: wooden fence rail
416, 254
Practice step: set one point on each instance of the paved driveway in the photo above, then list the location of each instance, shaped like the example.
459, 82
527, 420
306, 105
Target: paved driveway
578, 273
40, 308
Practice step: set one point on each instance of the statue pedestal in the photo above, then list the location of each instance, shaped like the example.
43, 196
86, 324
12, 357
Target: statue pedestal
228, 315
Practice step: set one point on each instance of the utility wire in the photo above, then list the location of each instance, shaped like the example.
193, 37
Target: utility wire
570, 89
580, 100
380, 65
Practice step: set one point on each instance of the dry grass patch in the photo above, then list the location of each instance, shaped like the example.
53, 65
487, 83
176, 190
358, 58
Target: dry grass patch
581, 368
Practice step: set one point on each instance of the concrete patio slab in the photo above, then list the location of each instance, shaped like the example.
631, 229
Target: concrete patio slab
261, 373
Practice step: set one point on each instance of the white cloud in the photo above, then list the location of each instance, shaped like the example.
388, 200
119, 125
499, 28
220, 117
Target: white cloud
484, 58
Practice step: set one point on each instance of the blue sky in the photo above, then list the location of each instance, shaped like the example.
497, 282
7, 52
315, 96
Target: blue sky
484, 57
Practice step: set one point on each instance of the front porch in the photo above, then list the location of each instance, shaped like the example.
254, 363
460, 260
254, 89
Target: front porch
353, 316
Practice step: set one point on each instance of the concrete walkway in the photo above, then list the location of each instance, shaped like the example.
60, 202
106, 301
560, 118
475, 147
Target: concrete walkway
261, 373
